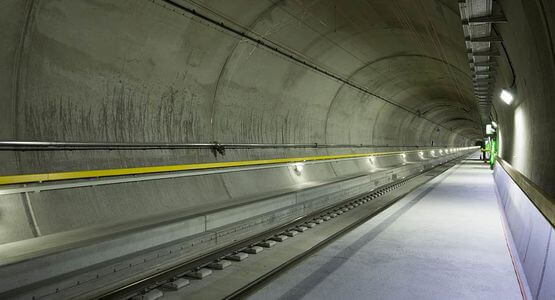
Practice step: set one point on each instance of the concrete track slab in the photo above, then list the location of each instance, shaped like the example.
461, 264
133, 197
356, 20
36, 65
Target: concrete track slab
445, 240
223, 283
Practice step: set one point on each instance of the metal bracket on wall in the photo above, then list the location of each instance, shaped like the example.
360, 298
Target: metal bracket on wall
30, 213
218, 148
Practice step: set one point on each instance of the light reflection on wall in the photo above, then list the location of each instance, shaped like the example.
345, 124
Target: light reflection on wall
500, 142
520, 140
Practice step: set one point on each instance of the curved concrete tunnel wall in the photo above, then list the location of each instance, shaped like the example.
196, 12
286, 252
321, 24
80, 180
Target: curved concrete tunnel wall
145, 71
526, 134
527, 126
131, 71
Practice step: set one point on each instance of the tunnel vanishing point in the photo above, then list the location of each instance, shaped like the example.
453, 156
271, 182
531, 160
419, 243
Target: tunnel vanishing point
277, 149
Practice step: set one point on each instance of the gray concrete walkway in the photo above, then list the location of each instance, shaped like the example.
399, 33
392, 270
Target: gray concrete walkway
444, 240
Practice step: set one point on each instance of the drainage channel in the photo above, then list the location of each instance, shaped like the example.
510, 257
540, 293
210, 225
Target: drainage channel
274, 250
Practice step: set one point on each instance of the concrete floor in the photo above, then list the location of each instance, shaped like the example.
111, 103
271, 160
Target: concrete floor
445, 240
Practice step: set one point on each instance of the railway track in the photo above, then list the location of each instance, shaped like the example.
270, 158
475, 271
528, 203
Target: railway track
203, 276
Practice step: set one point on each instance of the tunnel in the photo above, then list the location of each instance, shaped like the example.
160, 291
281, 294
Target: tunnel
277, 149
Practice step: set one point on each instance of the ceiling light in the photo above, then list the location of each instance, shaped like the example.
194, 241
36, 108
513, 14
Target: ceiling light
506, 97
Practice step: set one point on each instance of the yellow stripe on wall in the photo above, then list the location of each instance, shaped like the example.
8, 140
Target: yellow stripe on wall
13, 179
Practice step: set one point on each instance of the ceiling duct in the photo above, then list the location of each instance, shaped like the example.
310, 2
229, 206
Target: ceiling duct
477, 17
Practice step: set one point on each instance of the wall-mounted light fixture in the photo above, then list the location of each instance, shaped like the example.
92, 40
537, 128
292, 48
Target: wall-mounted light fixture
298, 168
506, 96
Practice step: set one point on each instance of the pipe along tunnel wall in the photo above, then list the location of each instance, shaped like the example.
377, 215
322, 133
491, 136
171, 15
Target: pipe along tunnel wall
75, 258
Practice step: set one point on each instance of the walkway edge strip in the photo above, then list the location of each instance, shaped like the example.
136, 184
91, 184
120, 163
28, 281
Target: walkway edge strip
42, 177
